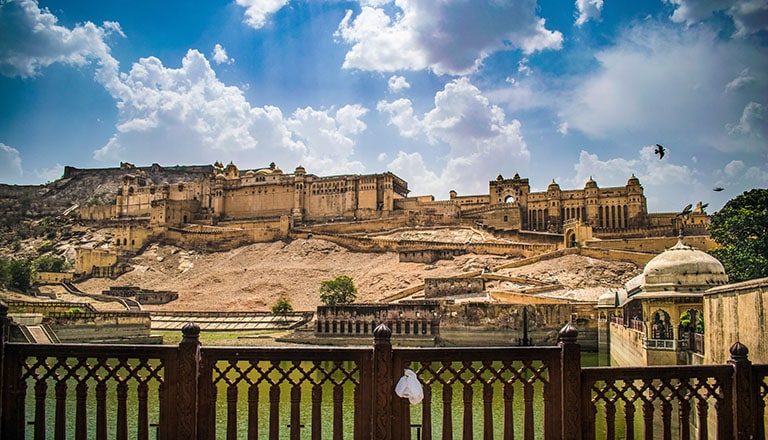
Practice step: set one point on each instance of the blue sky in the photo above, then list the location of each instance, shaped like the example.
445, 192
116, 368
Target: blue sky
446, 94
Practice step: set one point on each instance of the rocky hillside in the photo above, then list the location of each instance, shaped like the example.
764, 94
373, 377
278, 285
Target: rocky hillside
29, 212
81, 187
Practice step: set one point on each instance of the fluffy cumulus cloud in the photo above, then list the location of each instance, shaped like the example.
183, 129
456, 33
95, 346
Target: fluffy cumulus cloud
474, 134
749, 16
588, 10
162, 109
737, 174
257, 12
629, 95
220, 56
31, 39
325, 136
397, 83
452, 36
10, 163
752, 122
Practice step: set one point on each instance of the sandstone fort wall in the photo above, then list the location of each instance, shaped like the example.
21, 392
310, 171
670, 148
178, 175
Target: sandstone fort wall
736, 312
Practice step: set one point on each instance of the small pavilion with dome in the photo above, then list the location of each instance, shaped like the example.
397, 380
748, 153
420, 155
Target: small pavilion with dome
657, 319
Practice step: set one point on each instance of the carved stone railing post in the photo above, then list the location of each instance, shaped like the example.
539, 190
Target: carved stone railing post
570, 362
185, 379
744, 395
383, 386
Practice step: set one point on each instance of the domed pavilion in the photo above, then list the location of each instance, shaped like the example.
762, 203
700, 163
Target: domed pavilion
662, 309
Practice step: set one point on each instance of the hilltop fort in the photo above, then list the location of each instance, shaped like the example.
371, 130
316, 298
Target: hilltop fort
217, 207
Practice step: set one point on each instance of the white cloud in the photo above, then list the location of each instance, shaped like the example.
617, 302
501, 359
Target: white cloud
447, 37
475, 133
588, 10
752, 122
348, 119
749, 16
736, 174
642, 87
220, 56
740, 81
257, 11
397, 83
49, 174
326, 137
10, 163
523, 67
31, 39
414, 169
162, 109
734, 168
402, 116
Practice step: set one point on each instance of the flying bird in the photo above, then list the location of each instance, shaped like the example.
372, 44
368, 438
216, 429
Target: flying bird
718, 188
660, 150
704, 206
686, 211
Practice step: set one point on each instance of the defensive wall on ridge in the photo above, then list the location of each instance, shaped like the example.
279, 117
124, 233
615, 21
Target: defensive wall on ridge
368, 244
652, 244
441, 287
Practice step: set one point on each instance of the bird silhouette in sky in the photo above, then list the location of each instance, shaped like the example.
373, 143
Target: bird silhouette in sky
718, 189
660, 150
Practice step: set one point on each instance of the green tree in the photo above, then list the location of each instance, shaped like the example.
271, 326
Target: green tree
20, 274
5, 273
49, 263
741, 232
282, 307
340, 290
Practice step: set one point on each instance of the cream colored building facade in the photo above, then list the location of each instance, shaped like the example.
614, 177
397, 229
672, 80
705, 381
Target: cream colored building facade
266, 193
231, 194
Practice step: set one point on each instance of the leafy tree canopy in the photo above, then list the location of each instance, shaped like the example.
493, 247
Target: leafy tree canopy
48, 263
340, 290
741, 232
282, 307
16, 274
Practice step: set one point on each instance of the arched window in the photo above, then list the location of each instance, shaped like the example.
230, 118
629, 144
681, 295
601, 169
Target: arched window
661, 326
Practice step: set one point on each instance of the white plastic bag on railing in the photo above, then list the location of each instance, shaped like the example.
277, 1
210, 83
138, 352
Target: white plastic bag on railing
409, 387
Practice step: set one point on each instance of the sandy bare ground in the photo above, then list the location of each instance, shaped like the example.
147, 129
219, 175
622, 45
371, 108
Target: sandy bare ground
253, 277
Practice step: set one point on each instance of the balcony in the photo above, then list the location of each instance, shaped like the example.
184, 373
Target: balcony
194, 392
660, 344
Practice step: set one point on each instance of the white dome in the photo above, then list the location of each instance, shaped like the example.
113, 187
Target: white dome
683, 269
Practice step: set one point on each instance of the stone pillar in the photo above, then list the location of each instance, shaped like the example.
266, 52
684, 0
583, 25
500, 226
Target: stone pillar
186, 379
383, 385
744, 395
570, 365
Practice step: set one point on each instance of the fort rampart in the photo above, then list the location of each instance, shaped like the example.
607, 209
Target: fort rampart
440, 287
